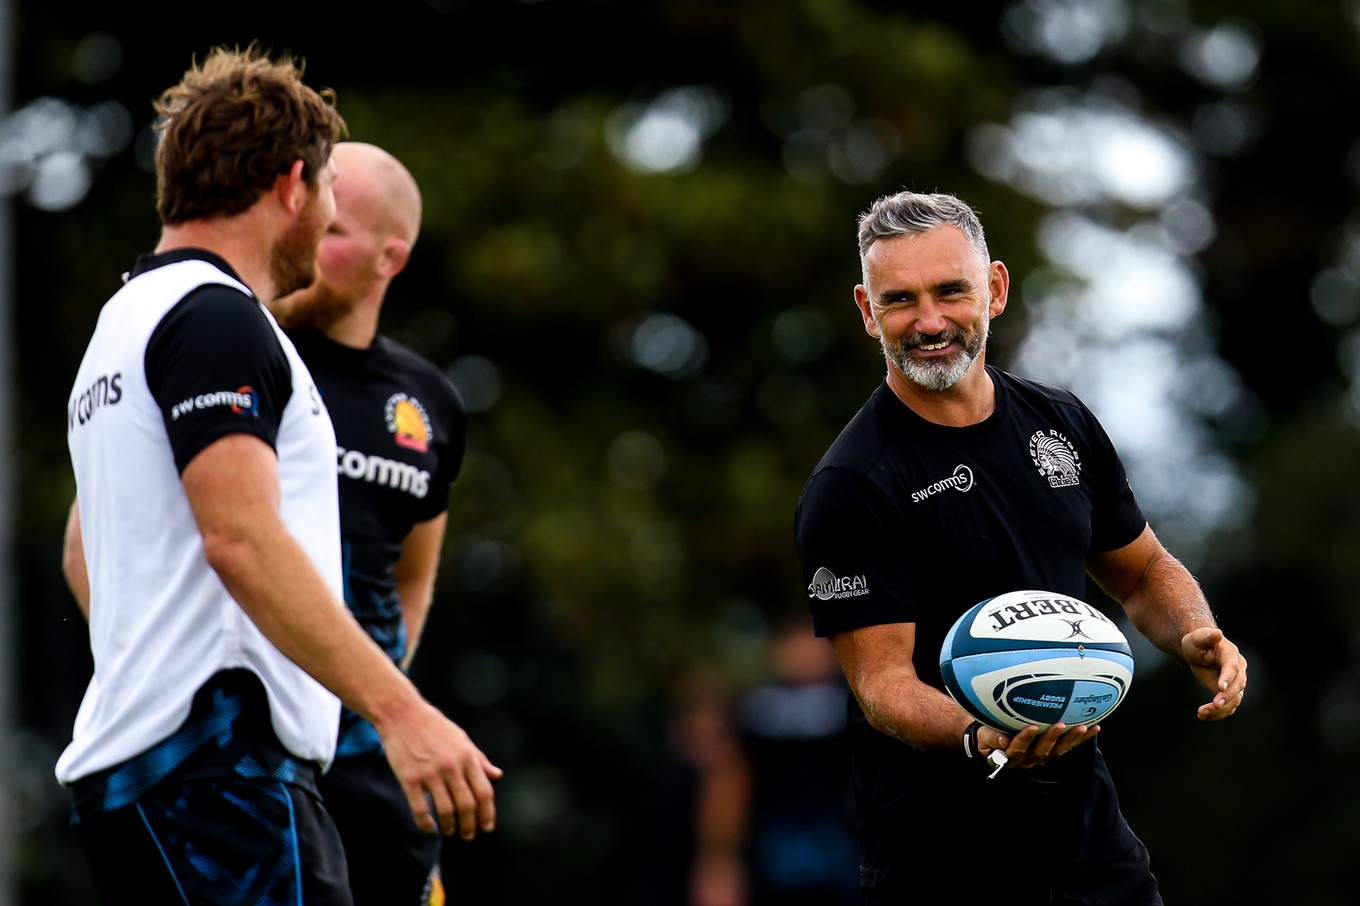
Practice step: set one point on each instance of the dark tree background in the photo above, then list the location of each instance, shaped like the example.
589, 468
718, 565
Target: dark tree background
637, 261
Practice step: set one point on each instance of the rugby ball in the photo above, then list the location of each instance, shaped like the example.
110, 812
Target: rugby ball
1036, 657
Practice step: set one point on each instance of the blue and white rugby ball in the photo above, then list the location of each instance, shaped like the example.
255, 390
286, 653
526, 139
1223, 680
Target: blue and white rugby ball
1036, 657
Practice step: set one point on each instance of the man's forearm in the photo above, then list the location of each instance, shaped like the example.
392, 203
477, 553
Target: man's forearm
271, 578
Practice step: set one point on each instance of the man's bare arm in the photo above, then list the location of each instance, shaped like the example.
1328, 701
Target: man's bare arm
233, 489
415, 572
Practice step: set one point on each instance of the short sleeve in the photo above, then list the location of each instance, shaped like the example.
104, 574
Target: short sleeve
453, 417
215, 366
851, 546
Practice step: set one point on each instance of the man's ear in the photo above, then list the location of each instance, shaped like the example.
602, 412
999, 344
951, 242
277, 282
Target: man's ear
395, 253
866, 309
998, 288
291, 188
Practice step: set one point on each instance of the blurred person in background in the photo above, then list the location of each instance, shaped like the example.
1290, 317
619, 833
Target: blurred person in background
400, 430
774, 814
203, 545
752, 806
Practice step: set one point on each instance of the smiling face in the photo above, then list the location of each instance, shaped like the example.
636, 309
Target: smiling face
930, 299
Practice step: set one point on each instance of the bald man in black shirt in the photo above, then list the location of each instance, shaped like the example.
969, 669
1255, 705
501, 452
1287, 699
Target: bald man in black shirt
400, 431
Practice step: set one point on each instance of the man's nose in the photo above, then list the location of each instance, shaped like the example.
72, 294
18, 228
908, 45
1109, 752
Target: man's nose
930, 317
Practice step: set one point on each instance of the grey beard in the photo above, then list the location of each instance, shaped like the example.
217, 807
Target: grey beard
936, 374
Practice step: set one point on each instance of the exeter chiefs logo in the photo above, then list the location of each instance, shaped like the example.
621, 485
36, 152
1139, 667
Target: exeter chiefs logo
407, 421
1055, 458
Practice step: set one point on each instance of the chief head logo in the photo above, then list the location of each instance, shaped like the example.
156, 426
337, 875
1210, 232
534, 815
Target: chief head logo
408, 422
1055, 458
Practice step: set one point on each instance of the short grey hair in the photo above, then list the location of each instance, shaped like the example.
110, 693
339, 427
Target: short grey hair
910, 213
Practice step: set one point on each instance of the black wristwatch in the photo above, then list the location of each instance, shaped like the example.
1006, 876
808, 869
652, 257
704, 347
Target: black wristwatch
971, 747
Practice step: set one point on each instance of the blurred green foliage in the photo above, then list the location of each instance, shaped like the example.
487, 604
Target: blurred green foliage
618, 526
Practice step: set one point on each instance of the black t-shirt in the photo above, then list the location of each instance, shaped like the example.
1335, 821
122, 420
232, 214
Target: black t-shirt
907, 521
400, 429
214, 364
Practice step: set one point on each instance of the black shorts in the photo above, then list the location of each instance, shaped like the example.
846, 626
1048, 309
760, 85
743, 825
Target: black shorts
1120, 880
392, 862
1047, 836
217, 841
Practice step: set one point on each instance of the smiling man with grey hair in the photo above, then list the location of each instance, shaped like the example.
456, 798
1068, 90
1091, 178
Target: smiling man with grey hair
890, 568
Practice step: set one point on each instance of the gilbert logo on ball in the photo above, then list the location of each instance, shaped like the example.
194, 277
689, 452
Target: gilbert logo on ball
1036, 657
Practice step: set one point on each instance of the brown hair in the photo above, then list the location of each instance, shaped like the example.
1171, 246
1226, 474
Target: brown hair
233, 125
